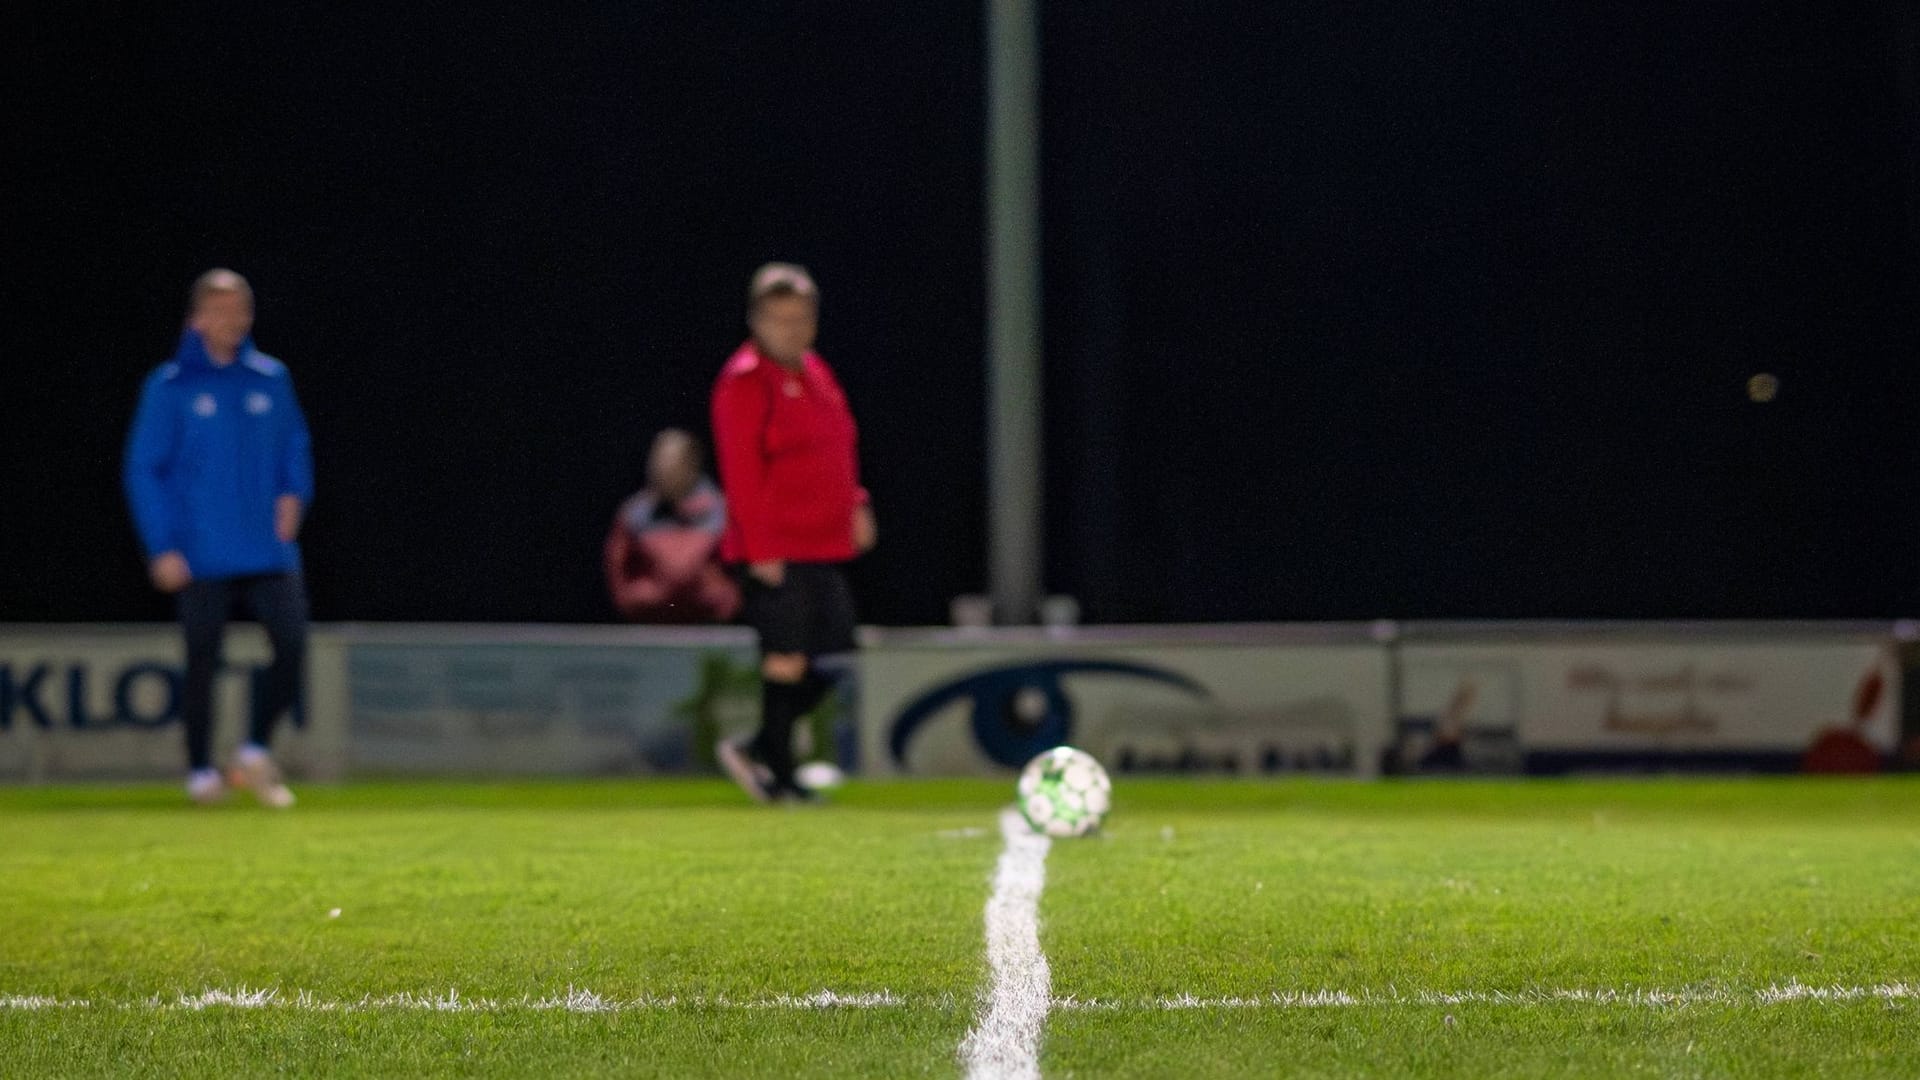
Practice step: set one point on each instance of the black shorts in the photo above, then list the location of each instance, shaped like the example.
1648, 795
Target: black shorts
811, 612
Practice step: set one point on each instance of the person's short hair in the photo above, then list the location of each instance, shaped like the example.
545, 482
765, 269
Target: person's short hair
781, 279
217, 280
696, 450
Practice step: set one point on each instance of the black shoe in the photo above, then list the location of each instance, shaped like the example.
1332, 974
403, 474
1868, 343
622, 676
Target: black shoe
1447, 755
794, 791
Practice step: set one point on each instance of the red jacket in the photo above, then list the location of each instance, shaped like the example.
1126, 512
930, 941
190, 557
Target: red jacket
786, 445
663, 569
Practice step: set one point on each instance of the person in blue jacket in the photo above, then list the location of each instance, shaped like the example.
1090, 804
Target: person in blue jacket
219, 475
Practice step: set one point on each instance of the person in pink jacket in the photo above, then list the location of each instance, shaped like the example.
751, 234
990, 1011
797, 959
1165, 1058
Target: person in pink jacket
662, 553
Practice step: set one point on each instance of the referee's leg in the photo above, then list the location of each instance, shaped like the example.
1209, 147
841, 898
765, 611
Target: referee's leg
279, 602
830, 637
202, 606
783, 693
827, 621
780, 615
808, 614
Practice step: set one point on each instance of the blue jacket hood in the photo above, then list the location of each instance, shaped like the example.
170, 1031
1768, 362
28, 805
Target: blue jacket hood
192, 355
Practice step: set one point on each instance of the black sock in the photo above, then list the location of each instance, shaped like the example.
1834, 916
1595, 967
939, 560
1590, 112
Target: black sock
773, 745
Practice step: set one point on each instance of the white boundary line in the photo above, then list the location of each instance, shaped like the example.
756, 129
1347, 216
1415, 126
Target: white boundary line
1005, 1041
1777, 994
586, 1001
573, 1001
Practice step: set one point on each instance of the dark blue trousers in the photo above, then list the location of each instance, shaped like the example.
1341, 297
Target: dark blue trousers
278, 602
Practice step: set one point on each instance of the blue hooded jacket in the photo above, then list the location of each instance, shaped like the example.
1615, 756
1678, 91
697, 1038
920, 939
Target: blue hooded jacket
212, 447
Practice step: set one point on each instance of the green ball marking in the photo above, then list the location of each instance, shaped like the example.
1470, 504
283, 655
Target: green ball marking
1064, 793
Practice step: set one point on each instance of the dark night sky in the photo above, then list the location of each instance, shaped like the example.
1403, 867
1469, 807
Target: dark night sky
1353, 309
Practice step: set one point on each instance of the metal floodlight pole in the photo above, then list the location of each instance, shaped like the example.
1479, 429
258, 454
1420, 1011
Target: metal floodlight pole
1013, 308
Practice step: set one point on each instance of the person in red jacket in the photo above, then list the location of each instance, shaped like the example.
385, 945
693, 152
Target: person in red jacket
795, 512
663, 551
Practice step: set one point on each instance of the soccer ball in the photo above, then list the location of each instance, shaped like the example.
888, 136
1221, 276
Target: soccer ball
1064, 792
820, 776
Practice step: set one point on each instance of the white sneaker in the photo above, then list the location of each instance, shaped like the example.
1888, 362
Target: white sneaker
254, 771
205, 787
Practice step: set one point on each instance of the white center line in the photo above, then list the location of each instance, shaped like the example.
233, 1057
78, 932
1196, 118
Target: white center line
1005, 1041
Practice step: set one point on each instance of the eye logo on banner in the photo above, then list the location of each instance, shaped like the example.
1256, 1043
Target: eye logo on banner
1019, 710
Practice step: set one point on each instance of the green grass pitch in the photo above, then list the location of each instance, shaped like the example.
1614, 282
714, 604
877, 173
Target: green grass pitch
1460, 929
